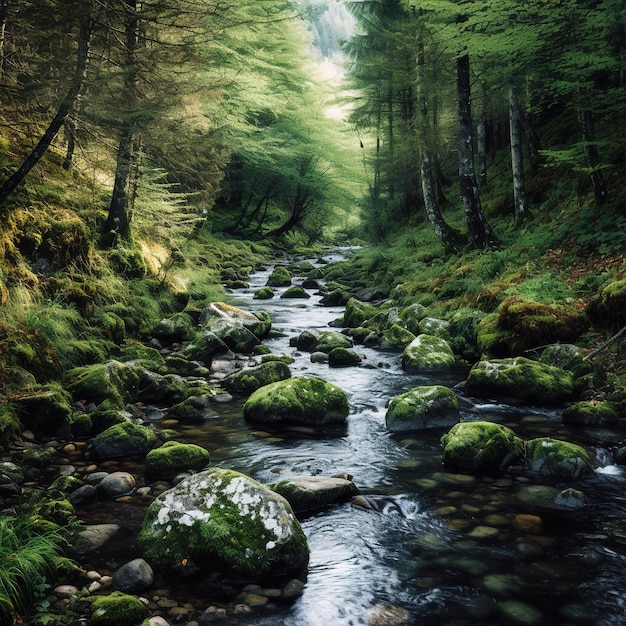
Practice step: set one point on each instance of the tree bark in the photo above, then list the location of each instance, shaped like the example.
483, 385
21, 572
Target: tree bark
480, 232
517, 159
592, 155
84, 35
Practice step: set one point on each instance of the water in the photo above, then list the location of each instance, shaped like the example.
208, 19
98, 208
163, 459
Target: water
439, 547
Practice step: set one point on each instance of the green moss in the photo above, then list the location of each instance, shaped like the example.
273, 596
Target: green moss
10, 424
139, 354
118, 609
357, 313
397, 337
481, 445
427, 352
282, 358
122, 440
265, 293
342, 357
423, 407
552, 457
280, 277
45, 410
173, 457
591, 413
308, 400
248, 380
175, 328
329, 339
295, 292
114, 381
608, 308
412, 315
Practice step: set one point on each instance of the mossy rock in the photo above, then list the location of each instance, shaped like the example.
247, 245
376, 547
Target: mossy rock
411, 316
155, 388
328, 340
427, 352
550, 457
121, 441
295, 292
10, 425
180, 365
282, 358
137, 353
114, 381
463, 333
118, 609
436, 327
304, 400
591, 414
335, 297
357, 313
175, 328
195, 409
342, 357
397, 337
46, 411
250, 379
205, 348
81, 425
520, 380
173, 458
358, 335
220, 315
37, 456
265, 293
608, 308
280, 277
306, 494
237, 337
423, 407
222, 521
481, 446
110, 324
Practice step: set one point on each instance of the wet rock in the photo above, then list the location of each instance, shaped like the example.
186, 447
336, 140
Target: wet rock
370, 294
319, 357
122, 440
426, 352
520, 612
591, 413
178, 364
114, 381
173, 457
293, 589
94, 537
342, 357
570, 499
295, 292
117, 609
357, 313
527, 523
310, 401
481, 445
155, 388
196, 519
411, 316
133, 576
222, 315
205, 348
435, 327
211, 615
310, 493
396, 337
46, 412
335, 297
175, 328
86, 493
421, 408
65, 591
265, 293
117, 484
195, 409
280, 277
550, 457
250, 379
387, 615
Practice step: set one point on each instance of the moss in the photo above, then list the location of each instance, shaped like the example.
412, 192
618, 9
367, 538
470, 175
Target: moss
46, 410
412, 316
591, 413
552, 457
426, 352
173, 457
57, 510
248, 380
114, 381
330, 339
175, 328
520, 379
122, 440
308, 494
64, 485
308, 400
463, 333
265, 293
358, 334
481, 445
397, 337
342, 357
357, 313
295, 292
423, 407
280, 277
10, 425
608, 308
37, 456
282, 358
139, 354
118, 609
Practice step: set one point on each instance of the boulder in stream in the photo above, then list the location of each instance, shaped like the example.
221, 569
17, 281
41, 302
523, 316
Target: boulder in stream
121, 441
550, 457
174, 457
252, 378
311, 493
221, 315
432, 406
280, 277
114, 381
427, 352
311, 401
222, 521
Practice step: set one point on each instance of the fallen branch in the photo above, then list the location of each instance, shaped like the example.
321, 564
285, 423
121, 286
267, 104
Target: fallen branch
605, 345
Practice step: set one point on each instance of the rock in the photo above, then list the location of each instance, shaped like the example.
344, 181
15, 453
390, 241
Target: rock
93, 537
179, 364
335, 297
295, 292
481, 446
117, 484
397, 337
65, 591
265, 293
46, 411
174, 329
570, 499
423, 407
591, 413
521, 613
195, 409
133, 576
86, 493
319, 357
304, 400
357, 313
370, 294
157, 389
411, 317
250, 379
122, 440
608, 308
550, 457
236, 336
205, 348
521, 380
311, 493
220, 520
342, 357
173, 457
329, 340
13, 472
280, 277
387, 615
435, 327
258, 323
118, 609
426, 352
114, 381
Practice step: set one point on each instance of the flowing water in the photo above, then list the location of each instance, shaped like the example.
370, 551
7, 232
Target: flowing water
438, 547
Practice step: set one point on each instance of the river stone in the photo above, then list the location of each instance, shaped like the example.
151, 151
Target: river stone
236, 336
258, 323
319, 357
220, 520
117, 609
570, 499
411, 316
434, 326
550, 457
175, 328
121, 441
310, 493
133, 576
521, 613
117, 484
342, 357
481, 445
427, 352
174, 457
113, 381
250, 379
93, 537
519, 379
357, 313
295, 292
46, 412
310, 401
396, 337
591, 414
423, 407
205, 348
265, 293
157, 389
387, 615
193, 409
280, 277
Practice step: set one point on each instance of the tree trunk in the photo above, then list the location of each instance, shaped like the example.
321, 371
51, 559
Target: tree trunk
4, 10
84, 35
481, 152
517, 158
592, 155
480, 232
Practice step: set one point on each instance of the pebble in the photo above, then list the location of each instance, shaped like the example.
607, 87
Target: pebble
65, 591
496, 520
521, 613
446, 510
158, 621
93, 575
213, 613
457, 524
166, 603
293, 588
69, 448
527, 523
483, 532
253, 599
177, 612
387, 615
94, 586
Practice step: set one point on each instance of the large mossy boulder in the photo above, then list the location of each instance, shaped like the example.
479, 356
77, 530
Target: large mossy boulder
295, 292
357, 313
590, 413
411, 316
220, 315
312, 493
122, 441
427, 352
280, 277
205, 348
396, 337
421, 408
155, 388
223, 521
342, 357
550, 457
608, 308
252, 378
325, 341
237, 337
519, 379
46, 411
175, 328
310, 401
173, 458
113, 381
481, 446
118, 609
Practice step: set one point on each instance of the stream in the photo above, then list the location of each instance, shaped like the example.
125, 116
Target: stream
439, 547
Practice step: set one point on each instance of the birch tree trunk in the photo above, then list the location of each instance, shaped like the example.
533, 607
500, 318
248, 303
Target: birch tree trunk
517, 159
480, 232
